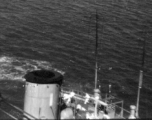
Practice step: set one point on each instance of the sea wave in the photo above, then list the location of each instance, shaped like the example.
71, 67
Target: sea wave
14, 68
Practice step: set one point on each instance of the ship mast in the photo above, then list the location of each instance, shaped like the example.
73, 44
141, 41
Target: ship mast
96, 53
140, 79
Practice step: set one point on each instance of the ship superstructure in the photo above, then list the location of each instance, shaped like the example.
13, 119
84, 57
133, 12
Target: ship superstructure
45, 98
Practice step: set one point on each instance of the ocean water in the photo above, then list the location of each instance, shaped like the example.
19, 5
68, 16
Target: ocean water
60, 35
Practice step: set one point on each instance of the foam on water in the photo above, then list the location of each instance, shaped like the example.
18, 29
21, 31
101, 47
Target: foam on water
14, 68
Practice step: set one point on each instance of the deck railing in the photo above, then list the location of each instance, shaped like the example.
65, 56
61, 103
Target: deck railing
113, 102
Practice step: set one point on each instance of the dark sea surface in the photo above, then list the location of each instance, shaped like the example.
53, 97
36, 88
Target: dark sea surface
60, 35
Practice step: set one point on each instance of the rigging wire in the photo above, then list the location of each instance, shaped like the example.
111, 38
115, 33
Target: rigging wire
8, 114
15, 107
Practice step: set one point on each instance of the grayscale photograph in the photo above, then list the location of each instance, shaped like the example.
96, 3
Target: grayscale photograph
75, 59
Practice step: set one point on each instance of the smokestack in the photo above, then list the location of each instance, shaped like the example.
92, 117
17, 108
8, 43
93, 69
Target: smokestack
42, 94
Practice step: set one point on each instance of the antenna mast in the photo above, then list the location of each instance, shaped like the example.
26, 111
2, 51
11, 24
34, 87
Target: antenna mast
140, 79
96, 52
